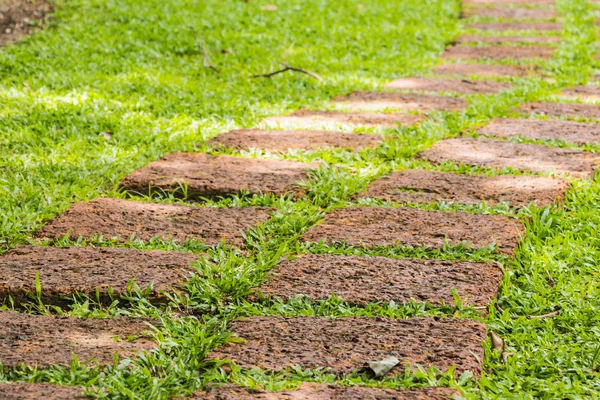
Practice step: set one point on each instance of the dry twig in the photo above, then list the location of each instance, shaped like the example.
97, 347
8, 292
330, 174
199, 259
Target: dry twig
206, 61
288, 67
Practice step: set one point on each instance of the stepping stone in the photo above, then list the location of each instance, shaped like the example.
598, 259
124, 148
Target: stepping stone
207, 176
487, 70
448, 85
363, 280
500, 154
37, 391
516, 26
384, 226
497, 40
331, 119
587, 92
405, 102
316, 391
66, 271
511, 2
276, 140
570, 131
120, 220
517, 13
423, 186
345, 344
573, 110
41, 341
497, 52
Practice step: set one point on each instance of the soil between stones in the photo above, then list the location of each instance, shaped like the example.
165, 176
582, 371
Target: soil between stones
363, 280
346, 344
38, 391
562, 109
497, 52
20, 18
423, 186
506, 39
587, 92
383, 226
315, 391
66, 271
517, 13
210, 176
406, 102
120, 219
305, 119
43, 341
516, 26
487, 70
570, 131
500, 154
464, 86
277, 140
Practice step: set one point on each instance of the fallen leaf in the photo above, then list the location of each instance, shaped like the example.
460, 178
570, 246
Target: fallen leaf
497, 341
108, 135
361, 7
227, 51
269, 7
380, 368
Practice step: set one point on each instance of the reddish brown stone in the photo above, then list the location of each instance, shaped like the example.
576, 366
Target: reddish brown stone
363, 280
448, 85
42, 341
422, 186
497, 52
19, 18
518, 13
574, 132
587, 92
38, 391
383, 226
277, 140
121, 219
497, 40
487, 70
500, 154
316, 391
91, 271
344, 345
563, 109
328, 119
508, 2
406, 102
516, 26
207, 176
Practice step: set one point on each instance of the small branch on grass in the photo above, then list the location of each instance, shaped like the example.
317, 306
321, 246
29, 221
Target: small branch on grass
288, 67
550, 280
206, 61
550, 314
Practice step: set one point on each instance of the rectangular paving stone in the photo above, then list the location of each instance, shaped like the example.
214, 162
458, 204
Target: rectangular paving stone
448, 85
316, 391
517, 13
516, 26
500, 154
207, 176
586, 92
41, 341
65, 271
510, 2
573, 110
344, 345
384, 226
464, 52
570, 131
120, 220
488, 39
284, 140
363, 280
406, 102
423, 186
305, 119
485, 70
39, 391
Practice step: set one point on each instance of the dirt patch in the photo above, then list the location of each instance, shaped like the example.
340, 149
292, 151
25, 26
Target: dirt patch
42, 341
66, 271
383, 226
121, 219
500, 154
346, 344
497, 52
37, 391
517, 13
464, 86
305, 119
276, 140
516, 26
422, 186
587, 92
562, 109
496, 40
573, 132
406, 102
486, 70
363, 280
207, 176
316, 391
20, 18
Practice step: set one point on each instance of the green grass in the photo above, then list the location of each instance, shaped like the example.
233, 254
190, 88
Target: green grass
134, 69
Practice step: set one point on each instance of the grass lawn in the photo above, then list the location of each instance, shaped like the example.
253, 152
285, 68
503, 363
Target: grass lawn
136, 69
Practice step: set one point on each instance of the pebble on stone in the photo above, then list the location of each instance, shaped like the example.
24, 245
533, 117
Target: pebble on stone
344, 345
500, 154
486, 70
464, 86
39, 391
405, 102
572, 110
517, 13
498, 40
497, 52
120, 220
516, 26
587, 92
305, 119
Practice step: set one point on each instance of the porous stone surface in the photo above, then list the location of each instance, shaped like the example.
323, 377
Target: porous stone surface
512, 2
489, 39
516, 26
570, 131
20, 18
406, 102
464, 86
39, 391
587, 92
464, 52
517, 13
485, 70
305, 119
574, 110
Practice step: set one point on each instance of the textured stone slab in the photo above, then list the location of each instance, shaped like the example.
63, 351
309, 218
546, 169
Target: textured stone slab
562, 109
344, 345
423, 186
513, 2
42, 341
516, 26
279, 140
486, 70
65, 271
487, 39
121, 219
497, 52
587, 92
363, 280
570, 131
331, 119
448, 85
39, 391
517, 13
499, 154
316, 391
210, 176
383, 226
406, 102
